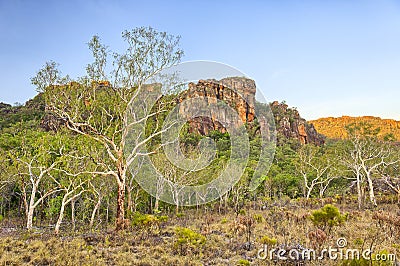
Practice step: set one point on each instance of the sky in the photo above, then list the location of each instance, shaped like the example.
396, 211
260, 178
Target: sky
327, 58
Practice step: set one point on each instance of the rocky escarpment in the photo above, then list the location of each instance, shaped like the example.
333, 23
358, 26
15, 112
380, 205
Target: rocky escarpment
290, 124
239, 93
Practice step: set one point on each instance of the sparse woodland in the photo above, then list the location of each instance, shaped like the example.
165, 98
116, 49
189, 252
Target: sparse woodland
68, 198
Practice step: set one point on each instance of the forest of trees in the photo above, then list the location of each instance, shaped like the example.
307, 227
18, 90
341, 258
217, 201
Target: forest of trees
74, 174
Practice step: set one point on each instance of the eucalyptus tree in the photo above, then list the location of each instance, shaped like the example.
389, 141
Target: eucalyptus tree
318, 167
390, 172
75, 174
96, 106
5, 170
365, 155
8, 181
37, 160
72, 188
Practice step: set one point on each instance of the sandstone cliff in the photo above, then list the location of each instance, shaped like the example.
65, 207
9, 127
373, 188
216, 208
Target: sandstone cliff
289, 124
238, 93
224, 90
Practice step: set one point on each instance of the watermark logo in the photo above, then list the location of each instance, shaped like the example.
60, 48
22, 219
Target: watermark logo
174, 187
298, 253
341, 242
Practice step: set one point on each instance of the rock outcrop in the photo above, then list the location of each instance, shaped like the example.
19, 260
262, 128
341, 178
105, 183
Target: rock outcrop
290, 125
239, 93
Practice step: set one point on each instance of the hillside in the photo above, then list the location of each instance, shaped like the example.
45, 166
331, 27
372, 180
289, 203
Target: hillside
335, 127
31, 110
289, 124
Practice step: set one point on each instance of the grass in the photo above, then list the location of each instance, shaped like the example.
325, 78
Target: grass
275, 226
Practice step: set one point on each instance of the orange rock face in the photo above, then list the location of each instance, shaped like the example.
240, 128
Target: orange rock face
302, 133
336, 127
238, 93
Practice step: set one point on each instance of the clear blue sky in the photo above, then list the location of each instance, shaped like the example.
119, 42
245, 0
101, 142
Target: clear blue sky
327, 58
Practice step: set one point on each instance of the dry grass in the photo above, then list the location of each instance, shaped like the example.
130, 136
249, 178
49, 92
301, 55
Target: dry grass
224, 245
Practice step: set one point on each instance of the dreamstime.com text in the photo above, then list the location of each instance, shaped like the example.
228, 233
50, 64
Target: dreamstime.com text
340, 252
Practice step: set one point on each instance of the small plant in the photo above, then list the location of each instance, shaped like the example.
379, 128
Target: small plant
107, 241
396, 246
139, 220
258, 218
224, 221
180, 215
242, 212
162, 218
265, 240
358, 242
188, 240
147, 222
327, 217
1, 218
389, 219
243, 262
317, 237
247, 224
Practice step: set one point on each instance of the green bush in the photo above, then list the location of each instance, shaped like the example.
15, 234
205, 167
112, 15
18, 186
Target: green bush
1, 218
242, 212
265, 240
258, 218
328, 217
188, 239
162, 218
243, 262
146, 220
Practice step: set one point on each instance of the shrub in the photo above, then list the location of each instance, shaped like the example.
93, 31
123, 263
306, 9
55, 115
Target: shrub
265, 240
162, 218
187, 239
327, 217
1, 218
243, 262
358, 242
139, 219
258, 218
147, 221
180, 215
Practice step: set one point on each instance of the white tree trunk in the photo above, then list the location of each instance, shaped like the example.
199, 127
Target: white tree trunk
360, 192
31, 208
309, 190
60, 216
371, 190
29, 218
73, 214
96, 207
